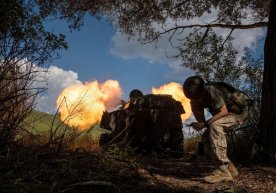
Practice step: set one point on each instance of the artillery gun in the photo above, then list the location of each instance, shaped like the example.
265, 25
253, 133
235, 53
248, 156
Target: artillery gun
148, 123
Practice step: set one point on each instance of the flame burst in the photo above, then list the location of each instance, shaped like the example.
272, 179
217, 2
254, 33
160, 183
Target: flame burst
82, 105
175, 89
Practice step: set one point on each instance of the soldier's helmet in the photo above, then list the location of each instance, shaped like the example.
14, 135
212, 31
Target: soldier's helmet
193, 87
135, 94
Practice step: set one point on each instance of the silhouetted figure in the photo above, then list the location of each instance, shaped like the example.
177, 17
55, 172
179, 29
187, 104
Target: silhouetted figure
229, 108
133, 95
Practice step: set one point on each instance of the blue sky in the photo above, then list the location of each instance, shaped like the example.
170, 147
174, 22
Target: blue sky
89, 54
100, 52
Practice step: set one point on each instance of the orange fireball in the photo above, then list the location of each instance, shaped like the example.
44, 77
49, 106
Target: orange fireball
175, 89
82, 105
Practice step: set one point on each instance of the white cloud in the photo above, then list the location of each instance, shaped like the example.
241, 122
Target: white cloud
157, 53
247, 38
56, 80
129, 49
53, 78
178, 73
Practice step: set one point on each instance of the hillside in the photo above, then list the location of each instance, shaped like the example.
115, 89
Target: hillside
41, 123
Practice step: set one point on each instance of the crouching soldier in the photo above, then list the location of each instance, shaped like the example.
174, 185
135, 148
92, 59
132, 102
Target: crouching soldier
229, 108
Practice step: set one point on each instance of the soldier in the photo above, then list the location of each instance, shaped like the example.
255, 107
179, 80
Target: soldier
227, 111
134, 94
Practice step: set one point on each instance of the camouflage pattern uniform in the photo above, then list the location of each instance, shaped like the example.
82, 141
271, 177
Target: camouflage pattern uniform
214, 137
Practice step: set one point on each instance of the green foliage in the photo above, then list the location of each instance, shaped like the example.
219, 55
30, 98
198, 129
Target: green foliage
23, 29
25, 44
211, 57
253, 77
142, 18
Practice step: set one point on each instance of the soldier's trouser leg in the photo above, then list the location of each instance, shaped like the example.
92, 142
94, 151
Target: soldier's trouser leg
217, 137
206, 143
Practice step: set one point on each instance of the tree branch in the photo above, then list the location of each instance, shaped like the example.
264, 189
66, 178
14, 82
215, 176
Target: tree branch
219, 25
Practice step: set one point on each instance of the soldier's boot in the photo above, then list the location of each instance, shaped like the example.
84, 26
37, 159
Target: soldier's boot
232, 169
219, 175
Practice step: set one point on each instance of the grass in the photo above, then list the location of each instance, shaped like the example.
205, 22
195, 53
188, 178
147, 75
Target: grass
40, 122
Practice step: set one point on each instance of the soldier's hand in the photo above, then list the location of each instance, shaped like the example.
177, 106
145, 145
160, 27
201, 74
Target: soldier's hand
198, 125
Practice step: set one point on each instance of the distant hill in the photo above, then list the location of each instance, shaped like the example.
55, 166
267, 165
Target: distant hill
41, 122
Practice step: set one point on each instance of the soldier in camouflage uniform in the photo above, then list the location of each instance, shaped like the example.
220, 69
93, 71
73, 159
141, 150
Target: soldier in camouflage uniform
225, 115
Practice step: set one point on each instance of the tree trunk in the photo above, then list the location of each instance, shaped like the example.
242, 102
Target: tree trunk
268, 108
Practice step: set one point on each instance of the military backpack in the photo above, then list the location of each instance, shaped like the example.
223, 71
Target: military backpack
240, 98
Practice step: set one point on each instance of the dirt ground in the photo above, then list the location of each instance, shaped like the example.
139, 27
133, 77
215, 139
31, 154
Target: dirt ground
96, 172
185, 175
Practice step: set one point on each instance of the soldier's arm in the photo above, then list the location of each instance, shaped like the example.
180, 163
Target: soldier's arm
198, 111
222, 111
